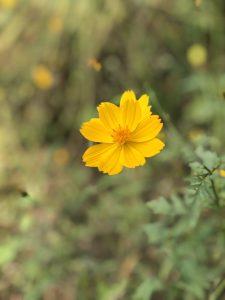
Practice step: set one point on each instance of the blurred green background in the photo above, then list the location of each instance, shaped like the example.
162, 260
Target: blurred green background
68, 232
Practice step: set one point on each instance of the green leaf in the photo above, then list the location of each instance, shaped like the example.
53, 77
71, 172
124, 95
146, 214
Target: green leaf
8, 251
159, 206
209, 159
147, 288
173, 206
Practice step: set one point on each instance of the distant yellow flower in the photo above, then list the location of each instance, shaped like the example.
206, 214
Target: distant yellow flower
125, 134
42, 77
8, 3
197, 55
55, 24
94, 64
222, 173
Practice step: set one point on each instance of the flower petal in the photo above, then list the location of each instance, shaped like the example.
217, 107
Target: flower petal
149, 148
144, 100
94, 155
131, 157
145, 108
112, 163
127, 96
95, 131
130, 114
109, 114
147, 129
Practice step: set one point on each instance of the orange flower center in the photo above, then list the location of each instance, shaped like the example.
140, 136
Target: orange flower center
121, 135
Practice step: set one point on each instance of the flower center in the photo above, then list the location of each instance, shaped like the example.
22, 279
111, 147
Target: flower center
121, 135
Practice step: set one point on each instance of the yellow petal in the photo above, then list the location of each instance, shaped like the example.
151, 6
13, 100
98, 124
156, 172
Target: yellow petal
149, 148
147, 129
127, 96
144, 100
131, 157
109, 114
95, 131
112, 162
96, 154
145, 109
130, 114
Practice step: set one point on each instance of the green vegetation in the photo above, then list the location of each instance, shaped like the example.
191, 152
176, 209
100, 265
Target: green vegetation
69, 232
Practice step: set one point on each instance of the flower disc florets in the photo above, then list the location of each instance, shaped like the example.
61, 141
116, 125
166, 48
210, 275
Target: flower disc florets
121, 135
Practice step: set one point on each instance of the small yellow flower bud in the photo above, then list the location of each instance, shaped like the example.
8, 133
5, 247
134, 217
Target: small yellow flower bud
42, 77
94, 64
55, 24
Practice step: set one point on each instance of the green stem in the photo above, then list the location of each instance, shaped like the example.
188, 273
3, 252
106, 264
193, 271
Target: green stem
210, 172
217, 293
215, 192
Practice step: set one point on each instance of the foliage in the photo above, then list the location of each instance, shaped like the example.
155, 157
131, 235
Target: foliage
188, 232
68, 232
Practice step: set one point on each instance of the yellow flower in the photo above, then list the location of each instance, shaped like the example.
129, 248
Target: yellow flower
125, 134
94, 64
42, 77
197, 55
222, 173
8, 3
55, 24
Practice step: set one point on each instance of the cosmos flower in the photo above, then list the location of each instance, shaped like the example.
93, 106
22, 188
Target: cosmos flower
197, 55
95, 64
42, 77
125, 134
222, 173
8, 3
55, 24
